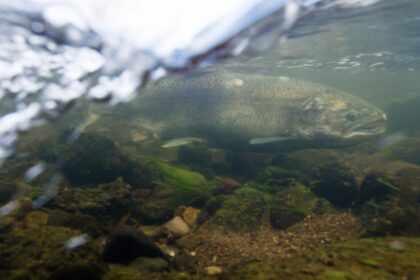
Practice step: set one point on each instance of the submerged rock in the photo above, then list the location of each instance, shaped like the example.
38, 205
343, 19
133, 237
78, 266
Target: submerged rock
108, 202
124, 246
395, 210
243, 211
336, 184
213, 270
177, 227
95, 159
226, 185
291, 206
85, 223
153, 232
191, 215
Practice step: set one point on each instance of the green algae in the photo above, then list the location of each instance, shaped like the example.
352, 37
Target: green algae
291, 206
243, 211
180, 186
172, 187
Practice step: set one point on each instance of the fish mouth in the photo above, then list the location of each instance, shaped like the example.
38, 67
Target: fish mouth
365, 131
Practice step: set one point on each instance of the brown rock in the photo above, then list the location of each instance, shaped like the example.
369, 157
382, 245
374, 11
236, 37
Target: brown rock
227, 185
190, 216
153, 232
177, 226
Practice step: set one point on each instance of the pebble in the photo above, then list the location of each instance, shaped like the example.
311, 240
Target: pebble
213, 270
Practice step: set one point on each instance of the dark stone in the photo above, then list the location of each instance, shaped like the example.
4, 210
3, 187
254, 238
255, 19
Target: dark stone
85, 223
336, 184
153, 211
76, 272
95, 159
214, 204
125, 245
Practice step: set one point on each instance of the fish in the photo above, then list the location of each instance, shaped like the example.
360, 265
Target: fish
253, 113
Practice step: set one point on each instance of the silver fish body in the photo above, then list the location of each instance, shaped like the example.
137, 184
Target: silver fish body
247, 112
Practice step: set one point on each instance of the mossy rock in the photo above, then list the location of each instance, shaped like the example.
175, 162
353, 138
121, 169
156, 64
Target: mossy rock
291, 206
276, 179
107, 202
42, 252
398, 212
376, 258
85, 223
337, 184
173, 187
94, 159
243, 211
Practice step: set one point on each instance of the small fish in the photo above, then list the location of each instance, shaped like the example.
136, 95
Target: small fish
246, 112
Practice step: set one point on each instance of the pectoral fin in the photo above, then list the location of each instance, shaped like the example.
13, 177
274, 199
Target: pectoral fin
267, 140
182, 141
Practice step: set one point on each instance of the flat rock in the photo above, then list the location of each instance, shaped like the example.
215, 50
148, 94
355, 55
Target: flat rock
177, 226
153, 232
213, 270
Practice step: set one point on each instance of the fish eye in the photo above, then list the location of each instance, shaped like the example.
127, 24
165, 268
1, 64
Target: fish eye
351, 116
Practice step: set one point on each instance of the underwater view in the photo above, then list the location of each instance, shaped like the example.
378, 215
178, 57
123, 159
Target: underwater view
291, 160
